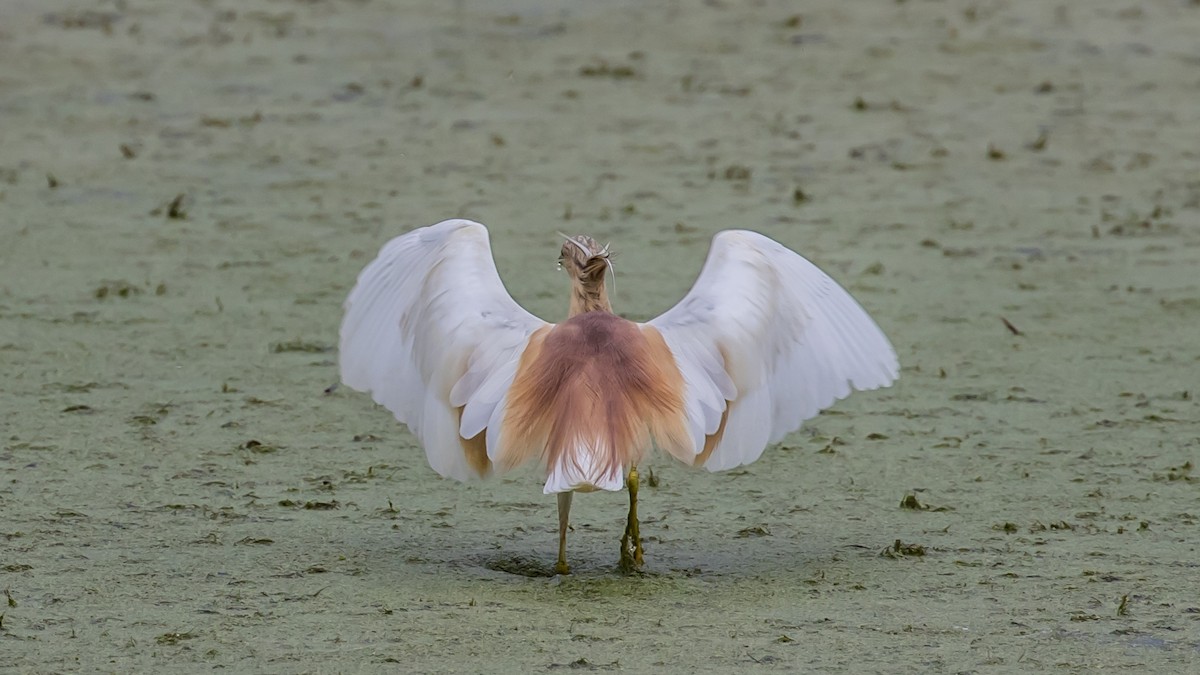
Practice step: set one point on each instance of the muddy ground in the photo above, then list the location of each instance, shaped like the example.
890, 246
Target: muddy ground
188, 190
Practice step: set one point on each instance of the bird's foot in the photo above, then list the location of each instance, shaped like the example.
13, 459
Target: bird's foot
629, 562
631, 541
561, 567
631, 552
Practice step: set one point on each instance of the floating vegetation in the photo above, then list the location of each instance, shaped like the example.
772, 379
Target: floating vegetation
583, 664
300, 346
173, 638
911, 502
602, 68
737, 172
899, 550
521, 566
1182, 472
259, 447
119, 289
1039, 526
1136, 225
174, 209
829, 448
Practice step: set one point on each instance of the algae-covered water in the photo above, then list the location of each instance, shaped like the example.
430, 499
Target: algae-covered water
188, 190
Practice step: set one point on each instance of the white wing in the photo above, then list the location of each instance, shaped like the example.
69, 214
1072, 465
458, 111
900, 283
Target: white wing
769, 332
429, 328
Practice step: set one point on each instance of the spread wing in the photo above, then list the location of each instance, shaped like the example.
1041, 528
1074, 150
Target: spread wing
430, 331
766, 340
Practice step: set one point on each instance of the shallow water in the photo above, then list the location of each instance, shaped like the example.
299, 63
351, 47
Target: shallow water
177, 492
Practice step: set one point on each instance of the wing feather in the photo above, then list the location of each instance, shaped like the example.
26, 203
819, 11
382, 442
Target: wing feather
428, 329
768, 335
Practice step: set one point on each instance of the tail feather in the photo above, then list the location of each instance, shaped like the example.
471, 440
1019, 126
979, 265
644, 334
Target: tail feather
585, 468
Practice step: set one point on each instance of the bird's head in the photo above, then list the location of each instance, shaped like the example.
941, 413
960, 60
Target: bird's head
584, 259
585, 262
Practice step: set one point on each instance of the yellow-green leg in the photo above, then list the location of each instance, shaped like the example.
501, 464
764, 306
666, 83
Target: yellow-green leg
564, 518
631, 542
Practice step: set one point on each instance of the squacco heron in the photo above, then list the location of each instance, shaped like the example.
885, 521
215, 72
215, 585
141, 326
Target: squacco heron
763, 341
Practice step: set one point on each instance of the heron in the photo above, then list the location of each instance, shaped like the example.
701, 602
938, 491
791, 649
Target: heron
763, 341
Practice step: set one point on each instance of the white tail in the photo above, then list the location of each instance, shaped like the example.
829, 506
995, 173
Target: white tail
584, 468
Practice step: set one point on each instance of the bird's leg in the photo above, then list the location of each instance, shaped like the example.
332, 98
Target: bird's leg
564, 518
631, 542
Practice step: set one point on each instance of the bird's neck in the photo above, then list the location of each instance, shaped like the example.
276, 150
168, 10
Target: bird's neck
589, 296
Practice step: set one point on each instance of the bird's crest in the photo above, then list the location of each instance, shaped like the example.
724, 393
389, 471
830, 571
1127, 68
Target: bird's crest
586, 258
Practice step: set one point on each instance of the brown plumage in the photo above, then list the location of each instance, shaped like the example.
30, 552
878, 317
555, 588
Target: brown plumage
595, 380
